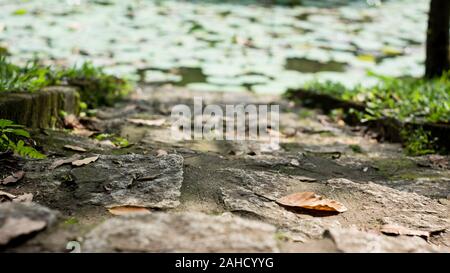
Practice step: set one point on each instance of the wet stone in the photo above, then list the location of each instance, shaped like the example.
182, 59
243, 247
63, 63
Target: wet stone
187, 232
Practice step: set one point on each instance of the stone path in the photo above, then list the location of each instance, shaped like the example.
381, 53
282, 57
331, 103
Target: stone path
219, 196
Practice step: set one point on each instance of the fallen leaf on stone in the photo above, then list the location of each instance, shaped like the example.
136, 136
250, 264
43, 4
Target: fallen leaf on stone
390, 229
61, 162
16, 227
13, 178
295, 162
24, 198
160, 153
439, 161
154, 122
128, 210
310, 200
74, 148
6, 197
85, 161
71, 121
107, 143
82, 132
306, 179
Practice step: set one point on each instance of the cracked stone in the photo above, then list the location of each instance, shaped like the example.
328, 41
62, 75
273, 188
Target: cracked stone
187, 232
353, 240
123, 180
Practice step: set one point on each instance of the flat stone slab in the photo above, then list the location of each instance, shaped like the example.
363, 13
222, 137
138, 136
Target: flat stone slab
23, 219
353, 240
391, 206
255, 196
183, 232
369, 205
123, 180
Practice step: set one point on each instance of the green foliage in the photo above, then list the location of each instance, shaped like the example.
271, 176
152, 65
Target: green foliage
408, 100
11, 139
116, 140
356, 148
418, 142
96, 87
29, 78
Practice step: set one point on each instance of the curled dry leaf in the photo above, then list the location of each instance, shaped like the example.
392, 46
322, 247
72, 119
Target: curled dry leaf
310, 200
390, 229
61, 162
82, 132
74, 148
154, 122
85, 161
13, 178
15, 227
160, 153
124, 210
6, 197
306, 179
71, 122
24, 198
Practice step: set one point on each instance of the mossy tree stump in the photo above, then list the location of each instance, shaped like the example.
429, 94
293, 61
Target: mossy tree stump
40, 109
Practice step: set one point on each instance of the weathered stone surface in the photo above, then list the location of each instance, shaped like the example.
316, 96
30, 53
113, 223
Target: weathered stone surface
391, 206
134, 180
255, 197
353, 240
438, 187
20, 219
187, 232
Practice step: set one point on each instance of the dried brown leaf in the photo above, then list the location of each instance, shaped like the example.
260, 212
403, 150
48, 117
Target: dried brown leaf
71, 122
75, 148
305, 178
85, 161
147, 122
15, 227
24, 198
6, 197
161, 152
61, 162
13, 178
124, 210
82, 132
310, 200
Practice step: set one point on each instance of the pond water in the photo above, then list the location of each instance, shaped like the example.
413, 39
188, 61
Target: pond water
222, 45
